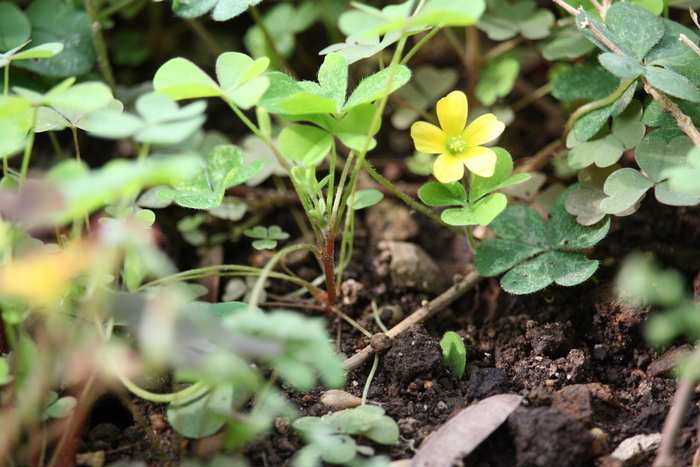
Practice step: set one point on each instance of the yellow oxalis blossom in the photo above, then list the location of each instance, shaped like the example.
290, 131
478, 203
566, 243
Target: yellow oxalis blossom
458, 146
42, 278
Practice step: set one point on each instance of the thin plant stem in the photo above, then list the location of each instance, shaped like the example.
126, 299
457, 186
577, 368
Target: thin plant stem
143, 152
420, 44
260, 22
6, 87
407, 199
584, 109
100, 47
205, 36
74, 130
352, 322
256, 293
56, 145
162, 398
370, 377
377, 318
27, 154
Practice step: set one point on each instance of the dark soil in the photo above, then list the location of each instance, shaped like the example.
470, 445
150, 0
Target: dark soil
577, 355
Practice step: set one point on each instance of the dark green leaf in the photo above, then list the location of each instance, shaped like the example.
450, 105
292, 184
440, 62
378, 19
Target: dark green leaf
620, 65
636, 27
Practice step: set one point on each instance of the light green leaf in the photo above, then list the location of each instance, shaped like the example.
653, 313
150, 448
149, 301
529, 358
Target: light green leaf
353, 129
40, 51
454, 353
373, 87
488, 208
628, 127
497, 79
366, 198
222, 9
443, 194
604, 152
179, 78
305, 143
308, 103
333, 78
654, 155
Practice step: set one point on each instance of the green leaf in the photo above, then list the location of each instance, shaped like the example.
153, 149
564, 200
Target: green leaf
15, 29
566, 43
454, 353
373, 87
497, 79
586, 82
353, 129
357, 47
449, 13
585, 17
305, 143
621, 65
222, 9
480, 186
685, 179
281, 88
204, 188
201, 414
159, 121
674, 55
566, 268
443, 194
179, 78
488, 208
628, 127
459, 216
366, 198
636, 27
504, 20
333, 78
308, 103
84, 191
604, 152
672, 83
654, 155
587, 126
56, 21
539, 255
625, 189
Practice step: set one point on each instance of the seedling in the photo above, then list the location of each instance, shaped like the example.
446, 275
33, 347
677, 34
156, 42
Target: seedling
454, 353
268, 236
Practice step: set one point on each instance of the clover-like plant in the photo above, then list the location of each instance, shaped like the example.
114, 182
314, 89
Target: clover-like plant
267, 236
330, 438
536, 254
482, 204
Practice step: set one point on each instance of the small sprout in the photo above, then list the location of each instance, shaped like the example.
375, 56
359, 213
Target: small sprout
268, 236
454, 353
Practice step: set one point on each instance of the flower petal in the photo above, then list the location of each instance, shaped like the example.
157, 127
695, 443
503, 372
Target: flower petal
482, 130
452, 113
428, 138
448, 168
480, 160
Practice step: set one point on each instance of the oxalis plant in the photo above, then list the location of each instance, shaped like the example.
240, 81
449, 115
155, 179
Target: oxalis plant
79, 291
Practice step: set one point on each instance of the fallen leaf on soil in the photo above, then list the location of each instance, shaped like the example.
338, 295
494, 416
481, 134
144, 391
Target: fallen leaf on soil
337, 399
465, 431
636, 446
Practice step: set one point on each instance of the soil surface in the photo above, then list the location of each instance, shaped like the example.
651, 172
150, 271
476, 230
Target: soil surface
576, 355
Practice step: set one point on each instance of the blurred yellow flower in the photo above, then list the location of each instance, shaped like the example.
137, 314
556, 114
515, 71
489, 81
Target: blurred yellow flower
458, 146
42, 278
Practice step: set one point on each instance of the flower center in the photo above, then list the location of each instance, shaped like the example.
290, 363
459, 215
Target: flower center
456, 145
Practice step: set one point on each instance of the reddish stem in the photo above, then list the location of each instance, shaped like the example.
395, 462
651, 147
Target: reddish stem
327, 255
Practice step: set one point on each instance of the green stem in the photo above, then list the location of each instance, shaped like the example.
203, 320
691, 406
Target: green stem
370, 377
161, 398
100, 47
256, 293
420, 44
407, 199
75, 142
584, 109
27, 153
230, 270
205, 36
143, 152
259, 21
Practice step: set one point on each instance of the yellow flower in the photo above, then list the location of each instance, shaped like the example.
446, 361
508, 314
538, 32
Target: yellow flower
458, 146
42, 278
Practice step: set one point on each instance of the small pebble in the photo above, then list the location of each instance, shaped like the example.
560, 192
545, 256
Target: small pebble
380, 342
337, 399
